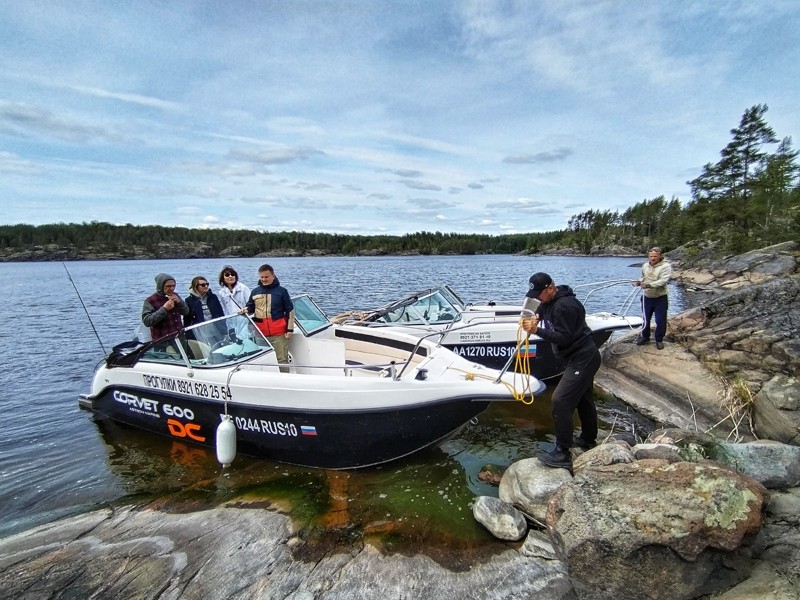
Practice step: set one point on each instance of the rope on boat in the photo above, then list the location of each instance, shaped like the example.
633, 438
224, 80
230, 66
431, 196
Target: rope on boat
470, 376
522, 365
520, 388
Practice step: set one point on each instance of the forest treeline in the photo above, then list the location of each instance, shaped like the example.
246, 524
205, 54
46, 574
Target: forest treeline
748, 199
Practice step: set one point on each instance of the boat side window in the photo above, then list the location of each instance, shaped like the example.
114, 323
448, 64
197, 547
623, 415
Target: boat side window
163, 352
452, 299
308, 315
442, 309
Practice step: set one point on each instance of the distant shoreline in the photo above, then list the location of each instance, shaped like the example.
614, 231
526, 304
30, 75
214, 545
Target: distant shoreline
39, 254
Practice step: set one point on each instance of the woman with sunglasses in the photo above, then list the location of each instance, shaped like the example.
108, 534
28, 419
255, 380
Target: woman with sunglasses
203, 303
233, 294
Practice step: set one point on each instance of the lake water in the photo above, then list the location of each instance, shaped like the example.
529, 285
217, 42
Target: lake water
56, 460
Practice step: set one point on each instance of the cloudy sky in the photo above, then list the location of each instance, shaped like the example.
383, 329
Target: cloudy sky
376, 116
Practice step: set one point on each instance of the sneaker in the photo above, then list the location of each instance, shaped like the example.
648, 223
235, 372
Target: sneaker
581, 443
558, 458
640, 341
660, 345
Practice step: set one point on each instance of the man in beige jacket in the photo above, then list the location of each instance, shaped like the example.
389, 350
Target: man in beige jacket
655, 277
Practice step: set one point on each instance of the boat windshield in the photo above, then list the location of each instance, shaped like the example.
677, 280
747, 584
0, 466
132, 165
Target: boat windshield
431, 306
211, 343
223, 341
308, 316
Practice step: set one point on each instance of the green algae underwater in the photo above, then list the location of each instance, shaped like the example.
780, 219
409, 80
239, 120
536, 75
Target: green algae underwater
420, 504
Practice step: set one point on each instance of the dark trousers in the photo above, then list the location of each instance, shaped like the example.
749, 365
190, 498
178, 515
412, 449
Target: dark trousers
655, 307
574, 391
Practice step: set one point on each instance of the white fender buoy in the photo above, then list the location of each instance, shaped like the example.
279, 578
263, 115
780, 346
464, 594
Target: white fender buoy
226, 441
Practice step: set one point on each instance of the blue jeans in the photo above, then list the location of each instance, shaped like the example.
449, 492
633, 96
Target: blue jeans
654, 307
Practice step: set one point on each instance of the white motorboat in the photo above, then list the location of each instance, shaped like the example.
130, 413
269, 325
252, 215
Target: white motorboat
488, 332
351, 397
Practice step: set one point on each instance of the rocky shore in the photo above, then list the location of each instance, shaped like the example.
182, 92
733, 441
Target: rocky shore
184, 250
707, 507
679, 516
731, 365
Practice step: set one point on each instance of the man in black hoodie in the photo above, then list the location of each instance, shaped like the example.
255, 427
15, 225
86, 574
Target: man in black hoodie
561, 320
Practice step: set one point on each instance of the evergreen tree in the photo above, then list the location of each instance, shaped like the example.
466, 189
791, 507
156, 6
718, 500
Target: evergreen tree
777, 184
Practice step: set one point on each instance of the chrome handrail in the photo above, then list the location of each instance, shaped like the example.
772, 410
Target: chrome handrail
391, 365
523, 313
602, 285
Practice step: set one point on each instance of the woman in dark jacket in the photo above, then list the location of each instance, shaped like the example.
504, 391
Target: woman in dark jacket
203, 304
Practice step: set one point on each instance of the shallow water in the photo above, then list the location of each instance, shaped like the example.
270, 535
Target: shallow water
55, 459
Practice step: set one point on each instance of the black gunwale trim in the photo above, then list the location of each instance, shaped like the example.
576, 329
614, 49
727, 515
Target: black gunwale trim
383, 341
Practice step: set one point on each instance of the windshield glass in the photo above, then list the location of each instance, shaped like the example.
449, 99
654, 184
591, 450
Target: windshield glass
453, 298
434, 306
223, 341
309, 316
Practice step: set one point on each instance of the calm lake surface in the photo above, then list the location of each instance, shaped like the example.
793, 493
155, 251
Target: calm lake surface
56, 460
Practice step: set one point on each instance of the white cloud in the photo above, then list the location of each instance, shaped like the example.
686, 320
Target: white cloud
381, 117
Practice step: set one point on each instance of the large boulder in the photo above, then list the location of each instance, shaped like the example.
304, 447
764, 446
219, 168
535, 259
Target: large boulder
503, 520
653, 530
772, 464
776, 409
528, 484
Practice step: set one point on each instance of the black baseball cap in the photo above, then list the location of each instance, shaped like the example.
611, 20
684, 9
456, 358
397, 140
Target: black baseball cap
538, 282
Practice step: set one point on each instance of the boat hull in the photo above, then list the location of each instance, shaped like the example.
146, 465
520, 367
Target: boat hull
321, 439
349, 398
542, 363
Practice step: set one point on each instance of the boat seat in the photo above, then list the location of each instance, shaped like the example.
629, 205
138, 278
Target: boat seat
166, 353
197, 350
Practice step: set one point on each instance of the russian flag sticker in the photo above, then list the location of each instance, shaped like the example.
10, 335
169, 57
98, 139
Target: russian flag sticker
308, 430
529, 353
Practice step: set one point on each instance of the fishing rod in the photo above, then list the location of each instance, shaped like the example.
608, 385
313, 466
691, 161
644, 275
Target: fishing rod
84, 307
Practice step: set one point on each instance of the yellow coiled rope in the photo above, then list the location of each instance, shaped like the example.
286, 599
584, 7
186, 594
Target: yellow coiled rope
522, 365
521, 386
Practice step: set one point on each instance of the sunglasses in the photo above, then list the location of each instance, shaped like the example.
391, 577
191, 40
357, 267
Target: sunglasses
229, 274
202, 285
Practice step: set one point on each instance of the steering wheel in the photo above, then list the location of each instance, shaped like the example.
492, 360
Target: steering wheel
220, 344
214, 357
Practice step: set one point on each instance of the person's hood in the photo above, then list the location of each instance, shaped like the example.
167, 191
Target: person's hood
161, 279
562, 291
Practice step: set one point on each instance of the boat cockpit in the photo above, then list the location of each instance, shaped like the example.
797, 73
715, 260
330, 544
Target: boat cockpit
223, 341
